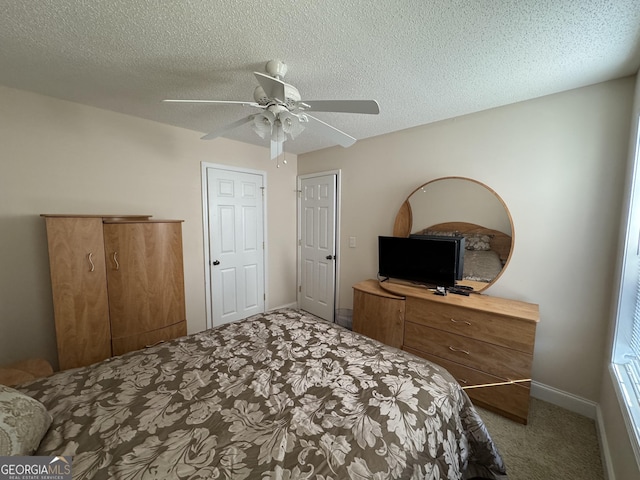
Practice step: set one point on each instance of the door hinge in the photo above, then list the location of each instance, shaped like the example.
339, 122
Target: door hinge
264, 297
300, 288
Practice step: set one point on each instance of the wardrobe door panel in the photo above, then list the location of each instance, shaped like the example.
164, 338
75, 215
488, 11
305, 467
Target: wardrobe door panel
145, 276
79, 286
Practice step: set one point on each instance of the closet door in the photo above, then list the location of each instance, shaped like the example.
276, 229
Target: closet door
79, 286
146, 283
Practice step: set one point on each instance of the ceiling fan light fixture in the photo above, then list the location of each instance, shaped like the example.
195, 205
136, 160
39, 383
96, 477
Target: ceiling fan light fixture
291, 124
263, 124
277, 133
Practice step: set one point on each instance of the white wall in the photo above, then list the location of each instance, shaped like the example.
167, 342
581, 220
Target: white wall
558, 162
62, 157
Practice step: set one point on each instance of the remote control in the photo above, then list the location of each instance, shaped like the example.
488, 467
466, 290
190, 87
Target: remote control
459, 291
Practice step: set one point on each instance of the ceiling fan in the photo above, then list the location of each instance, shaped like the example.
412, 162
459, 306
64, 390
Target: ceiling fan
283, 112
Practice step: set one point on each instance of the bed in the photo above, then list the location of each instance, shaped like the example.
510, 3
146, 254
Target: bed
281, 395
486, 250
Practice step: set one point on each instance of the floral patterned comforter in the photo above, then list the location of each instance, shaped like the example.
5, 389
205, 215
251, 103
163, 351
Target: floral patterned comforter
280, 395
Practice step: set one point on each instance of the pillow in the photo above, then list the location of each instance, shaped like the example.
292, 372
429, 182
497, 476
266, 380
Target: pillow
439, 233
477, 242
13, 376
23, 423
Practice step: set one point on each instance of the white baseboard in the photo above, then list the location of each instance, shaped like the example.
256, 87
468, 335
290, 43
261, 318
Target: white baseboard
564, 399
607, 464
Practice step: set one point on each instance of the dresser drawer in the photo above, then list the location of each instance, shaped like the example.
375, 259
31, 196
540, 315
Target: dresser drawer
511, 401
508, 332
505, 363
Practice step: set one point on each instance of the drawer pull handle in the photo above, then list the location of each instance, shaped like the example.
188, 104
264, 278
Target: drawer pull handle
461, 321
454, 349
115, 259
92, 267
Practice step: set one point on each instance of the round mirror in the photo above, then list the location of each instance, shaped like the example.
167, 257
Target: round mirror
462, 207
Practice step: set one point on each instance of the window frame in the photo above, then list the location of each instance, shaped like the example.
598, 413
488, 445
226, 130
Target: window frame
628, 298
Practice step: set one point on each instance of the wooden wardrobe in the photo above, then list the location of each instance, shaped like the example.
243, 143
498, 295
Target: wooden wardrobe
117, 282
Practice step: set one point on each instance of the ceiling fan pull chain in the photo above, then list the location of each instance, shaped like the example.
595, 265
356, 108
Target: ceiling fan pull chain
284, 154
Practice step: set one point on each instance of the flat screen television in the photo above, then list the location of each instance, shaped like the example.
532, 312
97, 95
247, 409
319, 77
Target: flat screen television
430, 261
460, 246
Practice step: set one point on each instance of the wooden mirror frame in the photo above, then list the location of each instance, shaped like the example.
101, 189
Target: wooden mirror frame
501, 242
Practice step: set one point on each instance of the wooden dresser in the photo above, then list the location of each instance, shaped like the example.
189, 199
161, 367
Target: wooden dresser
479, 339
378, 313
117, 282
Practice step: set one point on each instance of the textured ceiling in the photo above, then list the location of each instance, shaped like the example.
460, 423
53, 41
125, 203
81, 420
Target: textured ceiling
422, 60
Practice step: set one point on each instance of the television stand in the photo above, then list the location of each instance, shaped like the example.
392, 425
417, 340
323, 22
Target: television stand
479, 339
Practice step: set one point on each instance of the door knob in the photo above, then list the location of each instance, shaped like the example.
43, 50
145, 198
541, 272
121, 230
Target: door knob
330, 257
216, 262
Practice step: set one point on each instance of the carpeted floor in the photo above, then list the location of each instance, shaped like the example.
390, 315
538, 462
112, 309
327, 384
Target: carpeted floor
556, 444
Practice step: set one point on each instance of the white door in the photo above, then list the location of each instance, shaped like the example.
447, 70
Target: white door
236, 244
317, 210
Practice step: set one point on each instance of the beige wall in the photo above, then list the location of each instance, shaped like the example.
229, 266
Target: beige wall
61, 157
558, 162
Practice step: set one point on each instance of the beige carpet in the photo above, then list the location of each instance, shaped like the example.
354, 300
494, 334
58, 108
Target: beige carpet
556, 444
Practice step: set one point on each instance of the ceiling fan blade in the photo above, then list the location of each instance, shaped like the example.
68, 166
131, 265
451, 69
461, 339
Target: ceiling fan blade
273, 87
221, 131
220, 102
343, 106
330, 132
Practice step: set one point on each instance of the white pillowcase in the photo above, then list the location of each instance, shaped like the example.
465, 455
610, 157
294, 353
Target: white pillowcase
23, 423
